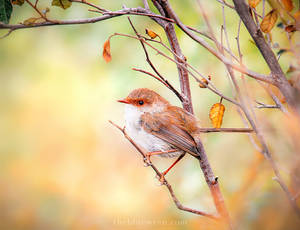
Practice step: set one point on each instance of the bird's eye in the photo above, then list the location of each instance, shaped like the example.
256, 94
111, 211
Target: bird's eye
141, 102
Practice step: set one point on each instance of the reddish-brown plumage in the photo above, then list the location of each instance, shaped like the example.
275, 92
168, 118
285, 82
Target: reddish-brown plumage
156, 125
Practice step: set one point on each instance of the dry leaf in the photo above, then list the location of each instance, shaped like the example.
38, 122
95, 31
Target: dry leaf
204, 82
64, 4
151, 34
290, 28
287, 5
106, 51
253, 3
216, 114
291, 69
17, 2
269, 21
30, 21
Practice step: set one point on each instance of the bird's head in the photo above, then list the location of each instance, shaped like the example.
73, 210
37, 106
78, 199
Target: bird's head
145, 100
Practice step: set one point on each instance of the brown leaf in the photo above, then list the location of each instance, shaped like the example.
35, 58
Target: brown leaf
290, 28
106, 51
17, 2
287, 5
64, 4
253, 3
151, 34
204, 82
291, 69
216, 114
269, 21
30, 21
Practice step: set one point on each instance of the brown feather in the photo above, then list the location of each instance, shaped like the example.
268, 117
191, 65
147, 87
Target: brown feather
174, 126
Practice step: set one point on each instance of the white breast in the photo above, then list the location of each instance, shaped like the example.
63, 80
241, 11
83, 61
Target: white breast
146, 140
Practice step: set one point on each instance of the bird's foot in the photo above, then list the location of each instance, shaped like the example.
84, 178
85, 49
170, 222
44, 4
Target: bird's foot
161, 179
147, 161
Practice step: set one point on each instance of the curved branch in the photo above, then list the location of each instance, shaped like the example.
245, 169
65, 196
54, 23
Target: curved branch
107, 15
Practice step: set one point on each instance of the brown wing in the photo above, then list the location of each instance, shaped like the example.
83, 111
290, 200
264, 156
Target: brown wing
171, 127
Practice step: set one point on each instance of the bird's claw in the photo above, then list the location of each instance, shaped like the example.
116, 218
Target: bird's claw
147, 161
161, 179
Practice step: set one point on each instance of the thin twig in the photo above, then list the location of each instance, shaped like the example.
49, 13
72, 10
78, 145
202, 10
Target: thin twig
225, 130
162, 80
8, 33
225, 4
181, 98
265, 106
89, 4
146, 5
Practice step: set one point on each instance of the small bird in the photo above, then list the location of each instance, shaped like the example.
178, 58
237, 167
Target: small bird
159, 127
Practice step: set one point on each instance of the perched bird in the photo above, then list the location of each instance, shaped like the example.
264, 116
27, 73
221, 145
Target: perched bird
159, 127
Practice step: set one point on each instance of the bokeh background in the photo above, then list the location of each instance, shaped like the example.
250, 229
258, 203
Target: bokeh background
64, 166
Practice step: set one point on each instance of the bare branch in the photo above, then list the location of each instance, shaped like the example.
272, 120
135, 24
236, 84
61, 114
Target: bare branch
265, 106
225, 130
146, 5
89, 4
225, 4
108, 15
8, 33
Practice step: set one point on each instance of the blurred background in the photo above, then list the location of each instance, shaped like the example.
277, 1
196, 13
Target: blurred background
64, 166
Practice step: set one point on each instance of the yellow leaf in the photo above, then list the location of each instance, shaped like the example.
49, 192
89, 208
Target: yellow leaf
204, 82
17, 2
216, 114
287, 5
253, 3
151, 34
106, 51
30, 21
269, 21
64, 4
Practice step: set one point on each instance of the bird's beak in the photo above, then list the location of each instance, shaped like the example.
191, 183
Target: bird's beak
124, 101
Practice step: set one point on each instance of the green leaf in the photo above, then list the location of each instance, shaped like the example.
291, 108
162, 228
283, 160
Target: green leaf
64, 4
5, 11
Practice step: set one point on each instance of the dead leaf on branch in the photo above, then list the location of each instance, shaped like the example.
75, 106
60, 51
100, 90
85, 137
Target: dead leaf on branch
64, 4
287, 5
269, 21
32, 21
216, 115
151, 34
106, 51
290, 28
204, 82
253, 3
17, 2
